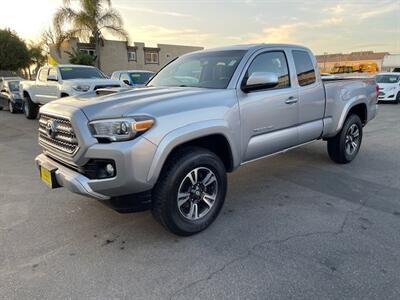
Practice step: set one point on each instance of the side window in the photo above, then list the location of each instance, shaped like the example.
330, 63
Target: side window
53, 72
43, 75
304, 67
124, 76
274, 62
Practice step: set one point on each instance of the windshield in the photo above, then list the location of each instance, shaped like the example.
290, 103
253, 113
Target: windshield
211, 70
140, 78
13, 86
80, 73
387, 78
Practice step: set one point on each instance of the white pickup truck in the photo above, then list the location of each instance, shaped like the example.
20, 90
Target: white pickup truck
62, 81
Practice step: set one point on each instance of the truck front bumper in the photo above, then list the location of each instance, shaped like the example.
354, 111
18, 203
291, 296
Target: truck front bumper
132, 162
68, 178
388, 96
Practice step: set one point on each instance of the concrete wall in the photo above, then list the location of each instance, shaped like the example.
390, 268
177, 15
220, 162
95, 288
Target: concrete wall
60, 55
114, 56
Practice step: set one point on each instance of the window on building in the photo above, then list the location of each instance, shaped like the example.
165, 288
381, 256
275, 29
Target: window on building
151, 57
274, 62
304, 67
131, 55
91, 52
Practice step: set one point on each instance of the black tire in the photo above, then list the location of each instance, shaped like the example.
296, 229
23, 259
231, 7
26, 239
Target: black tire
31, 109
174, 177
398, 98
338, 145
11, 107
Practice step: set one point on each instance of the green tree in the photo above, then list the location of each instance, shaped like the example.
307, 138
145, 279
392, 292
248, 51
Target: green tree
53, 37
90, 21
36, 56
14, 54
77, 57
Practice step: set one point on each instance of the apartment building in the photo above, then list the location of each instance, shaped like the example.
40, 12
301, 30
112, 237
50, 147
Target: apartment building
118, 55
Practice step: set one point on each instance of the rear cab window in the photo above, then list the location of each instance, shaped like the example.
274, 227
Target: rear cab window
304, 67
53, 72
43, 74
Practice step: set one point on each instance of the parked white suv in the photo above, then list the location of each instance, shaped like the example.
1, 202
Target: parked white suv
389, 87
62, 81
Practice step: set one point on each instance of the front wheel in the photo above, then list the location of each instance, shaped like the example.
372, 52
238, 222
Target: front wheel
344, 147
31, 109
398, 98
190, 192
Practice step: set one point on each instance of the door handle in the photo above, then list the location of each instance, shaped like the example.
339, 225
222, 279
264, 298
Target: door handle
291, 100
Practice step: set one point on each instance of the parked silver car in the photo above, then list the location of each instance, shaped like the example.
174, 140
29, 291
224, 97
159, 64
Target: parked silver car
205, 114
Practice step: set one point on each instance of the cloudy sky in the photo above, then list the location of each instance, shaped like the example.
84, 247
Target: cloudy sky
325, 25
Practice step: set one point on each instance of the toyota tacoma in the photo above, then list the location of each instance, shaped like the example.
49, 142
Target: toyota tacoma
170, 144
61, 81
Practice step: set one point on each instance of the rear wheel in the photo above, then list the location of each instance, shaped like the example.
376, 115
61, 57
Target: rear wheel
31, 109
344, 147
190, 192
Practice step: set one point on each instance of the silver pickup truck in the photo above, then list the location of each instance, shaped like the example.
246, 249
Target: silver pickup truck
168, 146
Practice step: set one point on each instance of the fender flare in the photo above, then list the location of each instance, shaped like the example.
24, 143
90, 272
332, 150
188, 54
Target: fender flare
186, 134
345, 112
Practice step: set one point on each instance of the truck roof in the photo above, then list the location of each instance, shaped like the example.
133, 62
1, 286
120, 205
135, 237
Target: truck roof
388, 73
138, 71
72, 66
254, 47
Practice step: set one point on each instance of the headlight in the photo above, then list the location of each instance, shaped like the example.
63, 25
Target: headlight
116, 130
81, 88
391, 88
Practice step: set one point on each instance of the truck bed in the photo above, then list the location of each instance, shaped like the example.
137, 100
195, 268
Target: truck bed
339, 93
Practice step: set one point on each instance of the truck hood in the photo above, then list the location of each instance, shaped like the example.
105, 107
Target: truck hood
155, 101
93, 81
386, 86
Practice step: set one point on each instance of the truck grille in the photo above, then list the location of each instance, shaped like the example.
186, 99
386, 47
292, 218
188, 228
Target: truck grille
105, 86
57, 133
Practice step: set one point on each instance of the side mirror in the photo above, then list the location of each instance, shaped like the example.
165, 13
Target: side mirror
52, 78
259, 81
126, 81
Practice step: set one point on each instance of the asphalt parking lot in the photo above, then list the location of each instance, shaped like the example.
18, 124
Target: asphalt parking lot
295, 226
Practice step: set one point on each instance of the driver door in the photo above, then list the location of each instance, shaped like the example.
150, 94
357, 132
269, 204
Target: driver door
269, 116
52, 86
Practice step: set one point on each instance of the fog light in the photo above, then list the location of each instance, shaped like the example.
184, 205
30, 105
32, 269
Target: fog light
110, 170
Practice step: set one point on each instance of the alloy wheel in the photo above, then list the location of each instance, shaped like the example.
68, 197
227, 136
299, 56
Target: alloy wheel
352, 139
197, 193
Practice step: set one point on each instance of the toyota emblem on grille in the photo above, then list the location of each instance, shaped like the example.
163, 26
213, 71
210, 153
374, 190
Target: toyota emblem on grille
51, 128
